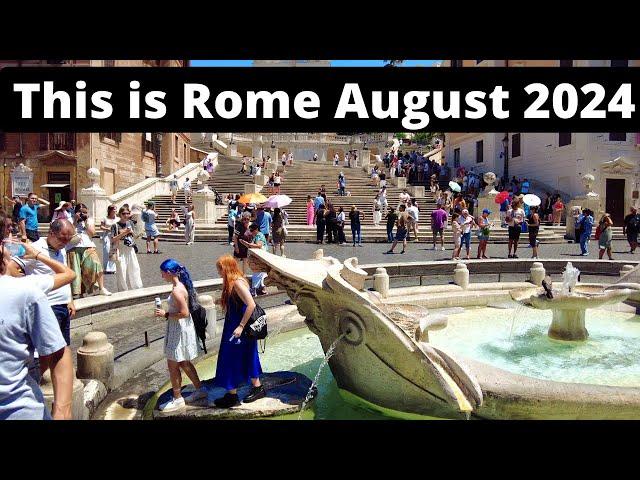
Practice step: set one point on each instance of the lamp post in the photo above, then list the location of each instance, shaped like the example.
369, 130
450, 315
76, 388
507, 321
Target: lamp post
158, 152
505, 152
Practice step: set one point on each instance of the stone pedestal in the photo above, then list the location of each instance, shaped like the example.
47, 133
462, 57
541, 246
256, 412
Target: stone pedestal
257, 151
461, 276
400, 182
568, 325
251, 188
381, 282
207, 303
95, 358
273, 153
94, 197
416, 191
489, 202
260, 179
78, 409
204, 203
233, 150
364, 157
590, 201
538, 273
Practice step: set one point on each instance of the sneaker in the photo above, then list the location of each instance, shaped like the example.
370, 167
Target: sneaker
229, 400
510, 256
360, 245
196, 395
443, 249
104, 291
256, 393
388, 251
174, 405
514, 256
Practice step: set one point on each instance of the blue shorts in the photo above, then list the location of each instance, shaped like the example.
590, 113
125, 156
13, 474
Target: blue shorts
64, 320
401, 234
466, 240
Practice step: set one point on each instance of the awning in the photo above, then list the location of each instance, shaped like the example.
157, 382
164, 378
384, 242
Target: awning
55, 185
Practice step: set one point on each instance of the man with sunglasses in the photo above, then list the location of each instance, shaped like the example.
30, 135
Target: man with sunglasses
29, 218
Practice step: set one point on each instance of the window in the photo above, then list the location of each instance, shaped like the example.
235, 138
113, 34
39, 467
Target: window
176, 146
479, 151
566, 63
147, 143
184, 153
617, 137
108, 63
564, 138
3, 141
515, 145
456, 158
57, 141
115, 136
456, 63
619, 63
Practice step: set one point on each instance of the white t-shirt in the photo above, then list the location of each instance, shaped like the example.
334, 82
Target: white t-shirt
61, 296
187, 185
85, 240
413, 212
518, 214
404, 197
465, 224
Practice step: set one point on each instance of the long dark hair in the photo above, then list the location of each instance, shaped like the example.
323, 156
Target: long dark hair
175, 268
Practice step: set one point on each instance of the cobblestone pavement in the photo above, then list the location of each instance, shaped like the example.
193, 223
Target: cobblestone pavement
200, 257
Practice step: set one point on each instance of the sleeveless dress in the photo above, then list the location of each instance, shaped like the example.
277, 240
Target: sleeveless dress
180, 342
310, 213
237, 363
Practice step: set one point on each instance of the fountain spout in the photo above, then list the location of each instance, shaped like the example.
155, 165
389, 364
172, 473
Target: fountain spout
569, 278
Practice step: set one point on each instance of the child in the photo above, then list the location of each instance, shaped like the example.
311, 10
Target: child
457, 235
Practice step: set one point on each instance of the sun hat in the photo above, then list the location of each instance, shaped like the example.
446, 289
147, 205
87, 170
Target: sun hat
62, 204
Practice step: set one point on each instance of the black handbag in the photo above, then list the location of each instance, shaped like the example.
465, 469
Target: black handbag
256, 327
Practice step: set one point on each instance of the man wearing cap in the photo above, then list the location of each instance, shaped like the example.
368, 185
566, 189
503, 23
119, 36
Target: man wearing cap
438, 222
631, 227
483, 235
466, 222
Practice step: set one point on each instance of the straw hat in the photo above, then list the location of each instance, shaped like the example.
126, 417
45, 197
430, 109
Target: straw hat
62, 205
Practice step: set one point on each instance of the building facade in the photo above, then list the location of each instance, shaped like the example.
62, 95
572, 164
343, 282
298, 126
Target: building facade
58, 162
555, 161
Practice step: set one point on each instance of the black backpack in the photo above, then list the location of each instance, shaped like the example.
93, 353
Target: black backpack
634, 223
199, 316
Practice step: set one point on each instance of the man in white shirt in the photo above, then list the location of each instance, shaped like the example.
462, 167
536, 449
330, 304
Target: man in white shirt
515, 217
414, 216
466, 221
53, 246
187, 190
404, 198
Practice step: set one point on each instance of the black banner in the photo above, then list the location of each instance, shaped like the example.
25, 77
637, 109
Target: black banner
319, 99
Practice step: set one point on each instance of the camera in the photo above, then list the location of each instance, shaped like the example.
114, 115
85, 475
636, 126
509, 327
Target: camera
83, 217
130, 242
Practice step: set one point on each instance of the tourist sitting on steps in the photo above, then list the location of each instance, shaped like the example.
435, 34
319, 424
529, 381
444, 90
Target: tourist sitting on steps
238, 360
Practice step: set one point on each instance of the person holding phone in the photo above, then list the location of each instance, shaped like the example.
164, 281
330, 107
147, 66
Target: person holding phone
123, 251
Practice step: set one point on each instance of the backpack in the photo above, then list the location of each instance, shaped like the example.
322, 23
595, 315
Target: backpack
200, 323
145, 217
634, 223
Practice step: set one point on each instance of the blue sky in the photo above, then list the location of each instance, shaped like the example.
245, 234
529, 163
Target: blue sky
334, 63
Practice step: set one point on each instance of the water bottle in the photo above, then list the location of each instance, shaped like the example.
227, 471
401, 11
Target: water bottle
15, 249
158, 302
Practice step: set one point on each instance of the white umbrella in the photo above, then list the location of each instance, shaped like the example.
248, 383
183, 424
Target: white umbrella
531, 200
454, 186
277, 201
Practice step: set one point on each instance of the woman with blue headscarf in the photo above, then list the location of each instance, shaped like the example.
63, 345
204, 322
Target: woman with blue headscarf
180, 341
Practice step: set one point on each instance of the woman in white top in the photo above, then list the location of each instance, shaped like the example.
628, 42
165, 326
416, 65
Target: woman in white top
180, 340
61, 212
189, 225
123, 250
83, 257
187, 190
108, 264
277, 180
377, 213
291, 158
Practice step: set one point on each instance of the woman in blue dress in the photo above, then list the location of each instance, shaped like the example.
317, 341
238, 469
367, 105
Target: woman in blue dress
238, 361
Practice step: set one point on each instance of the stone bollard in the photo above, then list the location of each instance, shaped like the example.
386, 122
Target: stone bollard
626, 269
95, 358
381, 282
537, 273
207, 303
461, 275
78, 410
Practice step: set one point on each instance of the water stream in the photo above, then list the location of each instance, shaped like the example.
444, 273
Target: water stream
325, 361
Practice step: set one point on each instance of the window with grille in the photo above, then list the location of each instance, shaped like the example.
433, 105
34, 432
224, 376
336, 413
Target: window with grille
479, 151
3, 141
456, 158
176, 146
566, 63
115, 136
456, 63
57, 141
515, 145
108, 63
147, 143
564, 138
617, 137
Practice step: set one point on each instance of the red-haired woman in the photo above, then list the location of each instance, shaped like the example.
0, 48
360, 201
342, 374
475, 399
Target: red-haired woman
238, 360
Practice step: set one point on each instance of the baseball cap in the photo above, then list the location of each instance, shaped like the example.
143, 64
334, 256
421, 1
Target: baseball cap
487, 211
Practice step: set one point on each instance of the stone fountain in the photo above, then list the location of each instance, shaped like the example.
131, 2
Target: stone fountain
570, 303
